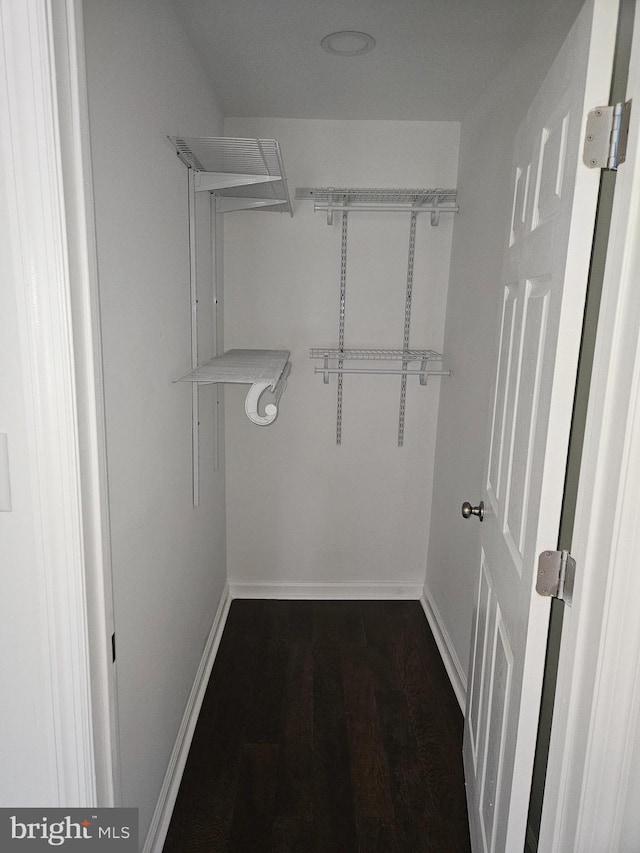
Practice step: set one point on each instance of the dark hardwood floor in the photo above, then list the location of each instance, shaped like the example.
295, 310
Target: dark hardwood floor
327, 727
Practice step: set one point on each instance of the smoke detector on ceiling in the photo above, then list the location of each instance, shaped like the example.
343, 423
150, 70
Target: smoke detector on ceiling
348, 43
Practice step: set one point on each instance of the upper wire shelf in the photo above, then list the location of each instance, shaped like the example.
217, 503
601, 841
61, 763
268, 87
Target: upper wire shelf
242, 173
376, 354
345, 199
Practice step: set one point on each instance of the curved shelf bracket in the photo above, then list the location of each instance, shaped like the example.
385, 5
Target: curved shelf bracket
252, 401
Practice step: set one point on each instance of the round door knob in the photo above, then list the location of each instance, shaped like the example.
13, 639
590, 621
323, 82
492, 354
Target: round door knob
468, 510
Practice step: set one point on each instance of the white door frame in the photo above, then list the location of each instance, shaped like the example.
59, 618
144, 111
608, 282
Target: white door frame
594, 738
597, 697
45, 154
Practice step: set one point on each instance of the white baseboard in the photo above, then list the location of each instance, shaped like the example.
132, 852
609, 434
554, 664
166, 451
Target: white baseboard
457, 675
167, 799
374, 590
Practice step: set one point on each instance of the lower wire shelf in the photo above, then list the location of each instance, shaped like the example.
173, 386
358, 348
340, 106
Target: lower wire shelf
264, 370
334, 362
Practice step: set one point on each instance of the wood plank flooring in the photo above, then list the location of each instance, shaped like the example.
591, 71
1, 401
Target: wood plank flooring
327, 727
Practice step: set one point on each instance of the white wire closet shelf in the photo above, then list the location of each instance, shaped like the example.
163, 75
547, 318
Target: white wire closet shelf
346, 199
243, 174
376, 354
264, 370
334, 359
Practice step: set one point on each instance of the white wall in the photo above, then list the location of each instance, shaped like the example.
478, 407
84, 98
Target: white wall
168, 558
300, 509
475, 289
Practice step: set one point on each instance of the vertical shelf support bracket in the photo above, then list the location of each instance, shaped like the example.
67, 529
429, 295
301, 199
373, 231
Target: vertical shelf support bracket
343, 299
407, 326
214, 260
193, 292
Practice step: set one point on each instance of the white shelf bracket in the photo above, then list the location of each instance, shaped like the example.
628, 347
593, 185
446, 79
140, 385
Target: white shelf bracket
251, 403
325, 370
424, 364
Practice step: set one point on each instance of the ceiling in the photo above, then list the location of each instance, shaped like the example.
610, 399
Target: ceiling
432, 60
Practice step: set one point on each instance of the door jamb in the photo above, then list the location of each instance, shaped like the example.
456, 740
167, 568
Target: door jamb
73, 115
594, 729
45, 153
585, 366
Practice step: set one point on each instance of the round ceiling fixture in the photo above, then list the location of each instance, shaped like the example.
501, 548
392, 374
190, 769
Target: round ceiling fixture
348, 43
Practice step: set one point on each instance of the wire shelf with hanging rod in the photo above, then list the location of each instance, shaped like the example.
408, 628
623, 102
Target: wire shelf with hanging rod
334, 359
345, 199
263, 370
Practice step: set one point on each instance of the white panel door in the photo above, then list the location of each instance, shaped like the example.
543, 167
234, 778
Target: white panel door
544, 281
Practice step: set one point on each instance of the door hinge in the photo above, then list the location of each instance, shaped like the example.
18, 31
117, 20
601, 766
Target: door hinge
556, 575
113, 648
605, 143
